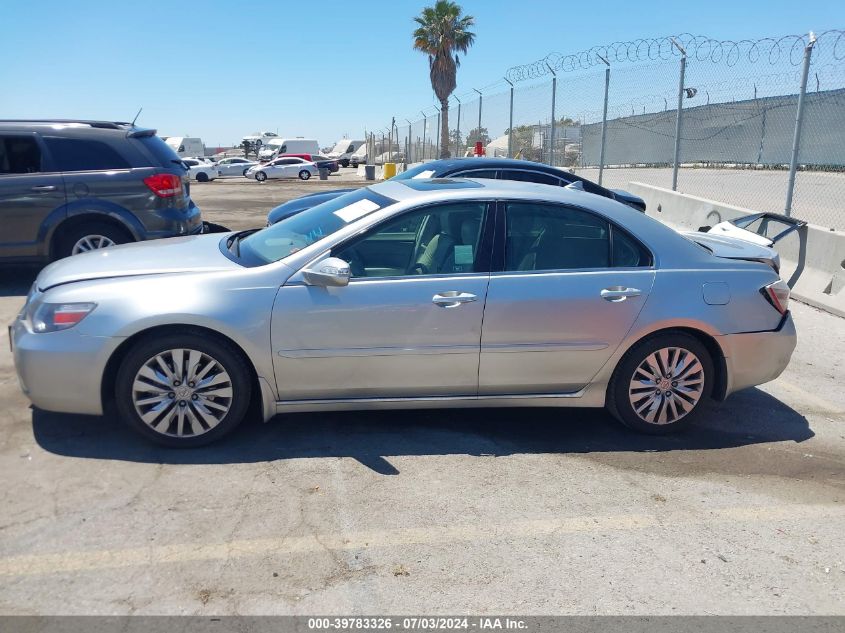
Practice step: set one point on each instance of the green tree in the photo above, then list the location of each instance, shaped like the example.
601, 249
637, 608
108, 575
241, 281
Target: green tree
475, 135
443, 33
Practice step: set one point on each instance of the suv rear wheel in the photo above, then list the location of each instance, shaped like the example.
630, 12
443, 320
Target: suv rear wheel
89, 237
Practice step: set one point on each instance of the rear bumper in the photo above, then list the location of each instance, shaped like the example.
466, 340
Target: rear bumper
754, 358
172, 222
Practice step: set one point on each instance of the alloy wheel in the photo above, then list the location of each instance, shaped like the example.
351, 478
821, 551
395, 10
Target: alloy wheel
182, 393
666, 385
90, 243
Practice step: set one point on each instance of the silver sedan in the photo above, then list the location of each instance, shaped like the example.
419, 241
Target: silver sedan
419, 293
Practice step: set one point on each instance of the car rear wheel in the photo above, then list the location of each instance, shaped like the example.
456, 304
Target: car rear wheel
260, 176
304, 174
245, 170
89, 237
202, 177
662, 383
183, 390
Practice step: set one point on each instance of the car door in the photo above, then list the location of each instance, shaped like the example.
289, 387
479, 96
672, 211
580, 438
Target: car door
30, 190
390, 333
567, 288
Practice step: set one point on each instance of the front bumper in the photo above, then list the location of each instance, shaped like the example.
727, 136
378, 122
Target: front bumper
754, 358
61, 371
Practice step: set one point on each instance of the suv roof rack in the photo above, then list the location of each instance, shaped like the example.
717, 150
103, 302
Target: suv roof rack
108, 125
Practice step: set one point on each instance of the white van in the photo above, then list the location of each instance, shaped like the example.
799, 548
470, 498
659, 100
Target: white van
299, 145
344, 149
186, 146
359, 156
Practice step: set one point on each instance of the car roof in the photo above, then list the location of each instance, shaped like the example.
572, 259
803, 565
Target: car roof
483, 162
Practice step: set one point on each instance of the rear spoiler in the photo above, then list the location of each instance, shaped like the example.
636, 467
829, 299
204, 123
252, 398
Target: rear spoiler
793, 224
140, 133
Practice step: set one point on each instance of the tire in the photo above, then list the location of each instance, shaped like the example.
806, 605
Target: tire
244, 172
304, 174
88, 237
260, 176
202, 177
634, 387
344, 163
205, 413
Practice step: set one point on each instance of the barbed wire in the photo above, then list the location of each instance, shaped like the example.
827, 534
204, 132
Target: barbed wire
785, 49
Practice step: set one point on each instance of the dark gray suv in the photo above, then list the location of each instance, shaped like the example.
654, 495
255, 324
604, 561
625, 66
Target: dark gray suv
67, 187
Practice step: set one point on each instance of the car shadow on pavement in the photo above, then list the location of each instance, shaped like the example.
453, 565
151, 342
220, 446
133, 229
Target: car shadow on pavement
749, 417
16, 279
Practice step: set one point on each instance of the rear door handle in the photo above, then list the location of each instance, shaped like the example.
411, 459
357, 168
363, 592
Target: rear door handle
616, 294
44, 188
453, 298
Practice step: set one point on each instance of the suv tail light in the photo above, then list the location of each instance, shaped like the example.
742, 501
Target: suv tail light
777, 294
164, 185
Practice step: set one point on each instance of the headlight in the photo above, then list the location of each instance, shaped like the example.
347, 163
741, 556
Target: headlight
51, 317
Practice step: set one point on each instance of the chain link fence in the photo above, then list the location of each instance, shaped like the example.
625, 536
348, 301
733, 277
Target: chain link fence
715, 119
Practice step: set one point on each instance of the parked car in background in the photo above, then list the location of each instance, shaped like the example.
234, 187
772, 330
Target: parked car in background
234, 166
199, 170
286, 167
344, 149
186, 146
513, 169
278, 146
492, 168
325, 162
487, 293
69, 186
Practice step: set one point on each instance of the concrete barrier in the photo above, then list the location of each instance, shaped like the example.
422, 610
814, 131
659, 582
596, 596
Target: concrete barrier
813, 258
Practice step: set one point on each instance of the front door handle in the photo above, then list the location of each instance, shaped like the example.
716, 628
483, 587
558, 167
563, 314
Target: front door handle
616, 294
452, 298
44, 188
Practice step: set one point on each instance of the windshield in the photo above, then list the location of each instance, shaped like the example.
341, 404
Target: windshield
312, 225
420, 171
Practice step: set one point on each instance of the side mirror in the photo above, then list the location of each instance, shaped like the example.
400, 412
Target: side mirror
332, 271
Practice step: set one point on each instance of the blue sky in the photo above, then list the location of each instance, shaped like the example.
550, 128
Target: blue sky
222, 69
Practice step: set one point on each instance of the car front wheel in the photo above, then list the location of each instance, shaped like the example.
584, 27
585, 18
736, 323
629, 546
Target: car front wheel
183, 390
304, 174
260, 176
662, 383
202, 177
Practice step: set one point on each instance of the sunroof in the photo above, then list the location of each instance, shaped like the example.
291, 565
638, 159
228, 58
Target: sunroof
440, 183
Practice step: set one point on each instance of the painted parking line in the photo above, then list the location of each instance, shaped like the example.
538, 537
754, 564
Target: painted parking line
68, 562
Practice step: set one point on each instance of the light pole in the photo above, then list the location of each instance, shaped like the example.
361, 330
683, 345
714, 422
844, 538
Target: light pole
603, 117
458, 138
510, 122
480, 97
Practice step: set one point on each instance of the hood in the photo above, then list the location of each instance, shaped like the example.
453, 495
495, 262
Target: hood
730, 247
195, 253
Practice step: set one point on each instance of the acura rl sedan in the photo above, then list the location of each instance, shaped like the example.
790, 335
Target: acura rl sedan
410, 293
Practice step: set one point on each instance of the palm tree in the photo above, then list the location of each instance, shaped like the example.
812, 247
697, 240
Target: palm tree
442, 34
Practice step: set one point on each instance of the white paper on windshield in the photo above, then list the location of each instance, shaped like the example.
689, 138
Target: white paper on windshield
428, 173
356, 210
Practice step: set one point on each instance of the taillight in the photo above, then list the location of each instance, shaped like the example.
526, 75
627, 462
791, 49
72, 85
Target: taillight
777, 294
164, 185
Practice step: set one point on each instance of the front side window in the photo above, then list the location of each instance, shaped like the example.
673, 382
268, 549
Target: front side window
312, 225
552, 237
19, 155
73, 154
437, 240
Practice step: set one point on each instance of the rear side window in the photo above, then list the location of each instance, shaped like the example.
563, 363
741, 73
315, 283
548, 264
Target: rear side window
73, 154
19, 155
161, 152
530, 176
627, 252
552, 237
